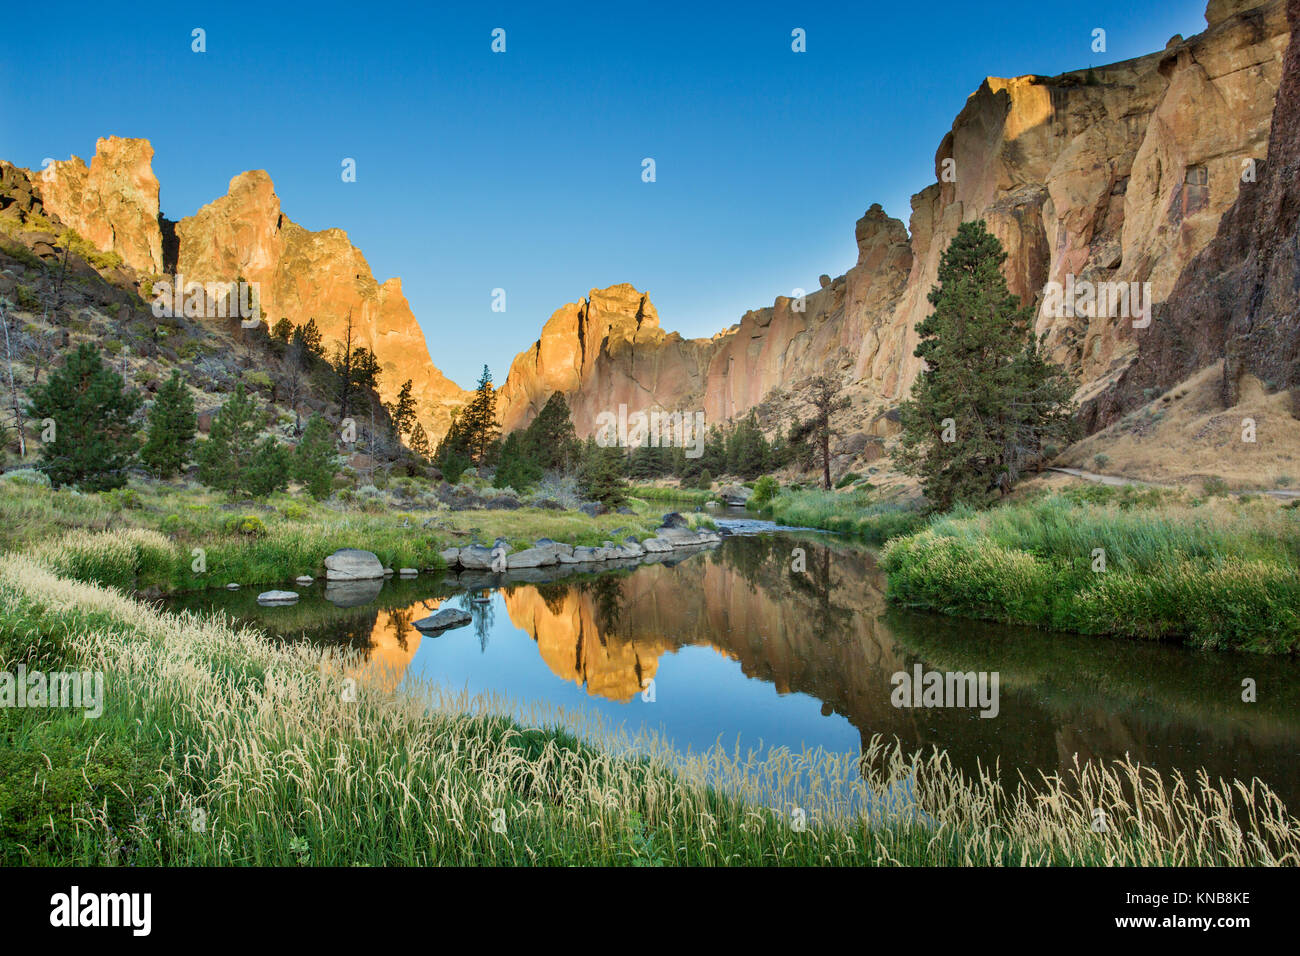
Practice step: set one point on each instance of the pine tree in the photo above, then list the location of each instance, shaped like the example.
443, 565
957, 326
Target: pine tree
478, 419
813, 435
419, 442
550, 438
986, 400
402, 411
172, 423
268, 470
94, 441
316, 458
283, 331
227, 456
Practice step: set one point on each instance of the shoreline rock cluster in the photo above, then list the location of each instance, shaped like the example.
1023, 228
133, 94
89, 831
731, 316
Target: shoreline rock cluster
674, 534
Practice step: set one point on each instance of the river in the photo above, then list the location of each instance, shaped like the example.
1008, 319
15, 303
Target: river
785, 639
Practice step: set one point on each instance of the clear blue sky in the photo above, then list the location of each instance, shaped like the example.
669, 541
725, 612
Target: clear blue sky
522, 170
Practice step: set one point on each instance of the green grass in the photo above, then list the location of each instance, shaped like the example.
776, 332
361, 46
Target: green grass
1218, 574
846, 512
164, 534
691, 496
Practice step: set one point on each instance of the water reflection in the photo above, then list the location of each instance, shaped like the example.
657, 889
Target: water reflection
741, 644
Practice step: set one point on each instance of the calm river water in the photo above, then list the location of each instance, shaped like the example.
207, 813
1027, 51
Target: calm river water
743, 649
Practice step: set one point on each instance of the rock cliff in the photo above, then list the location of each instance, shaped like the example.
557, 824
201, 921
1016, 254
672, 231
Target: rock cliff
301, 274
1117, 174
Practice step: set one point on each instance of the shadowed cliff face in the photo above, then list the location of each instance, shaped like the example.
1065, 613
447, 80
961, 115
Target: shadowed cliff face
1118, 174
1237, 300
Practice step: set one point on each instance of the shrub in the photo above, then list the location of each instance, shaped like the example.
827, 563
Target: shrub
765, 489
250, 526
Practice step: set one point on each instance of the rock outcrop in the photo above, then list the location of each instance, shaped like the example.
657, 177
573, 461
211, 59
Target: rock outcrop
1116, 174
301, 274
113, 203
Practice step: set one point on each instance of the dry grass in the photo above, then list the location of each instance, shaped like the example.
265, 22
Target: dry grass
1186, 436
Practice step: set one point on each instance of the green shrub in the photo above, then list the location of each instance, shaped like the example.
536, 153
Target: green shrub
248, 525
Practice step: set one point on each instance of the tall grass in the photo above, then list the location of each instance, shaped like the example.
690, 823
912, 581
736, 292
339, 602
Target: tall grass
1215, 574
850, 512
220, 747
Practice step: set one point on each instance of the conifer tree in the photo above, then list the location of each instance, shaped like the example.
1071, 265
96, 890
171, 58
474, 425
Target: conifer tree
986, 400
402, 411
172, 423
419, 442
227, 456
478, 420
550, 439
93, 441
316, 458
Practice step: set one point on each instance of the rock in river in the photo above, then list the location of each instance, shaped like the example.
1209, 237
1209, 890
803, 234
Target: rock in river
351, 564
277, 597
443, 619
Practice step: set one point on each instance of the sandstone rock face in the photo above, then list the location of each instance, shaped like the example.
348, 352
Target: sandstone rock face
1118, 174
1236, 300
302, 275
113, 203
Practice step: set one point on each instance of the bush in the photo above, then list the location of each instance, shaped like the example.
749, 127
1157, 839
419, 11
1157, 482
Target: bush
250, 526
765, 489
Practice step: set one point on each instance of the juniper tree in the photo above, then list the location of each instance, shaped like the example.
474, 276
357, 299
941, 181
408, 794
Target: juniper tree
93, 440
986, 401
172, 423
813, 434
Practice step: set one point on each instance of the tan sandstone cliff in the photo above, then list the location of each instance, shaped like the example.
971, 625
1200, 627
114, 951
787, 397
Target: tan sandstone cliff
1118, 174
301, 274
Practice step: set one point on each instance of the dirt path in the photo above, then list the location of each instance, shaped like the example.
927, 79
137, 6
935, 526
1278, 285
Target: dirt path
1116, 480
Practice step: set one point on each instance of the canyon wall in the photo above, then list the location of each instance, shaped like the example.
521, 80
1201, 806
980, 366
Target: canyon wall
1236, 300
300, 274
1115, 174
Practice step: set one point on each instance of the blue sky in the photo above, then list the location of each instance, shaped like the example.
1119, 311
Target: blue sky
522, 170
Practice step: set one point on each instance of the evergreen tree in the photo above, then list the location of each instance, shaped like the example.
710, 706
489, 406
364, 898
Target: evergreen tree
478, 420
600, 477
268, 470
986, 400
94, 441
172, 423
516, 467
310, 338
550, 438
316, 458
227, 456
419, 442
402, 411
283, 331
747, 449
